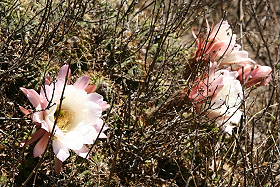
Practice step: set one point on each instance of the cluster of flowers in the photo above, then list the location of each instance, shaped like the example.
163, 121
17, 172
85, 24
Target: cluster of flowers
219, 92
68, 115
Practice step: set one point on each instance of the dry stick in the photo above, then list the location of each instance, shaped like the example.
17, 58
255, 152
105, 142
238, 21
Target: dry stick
149, 38
252, 154
10, 10
148, 41
243, 152
34, 171
244, 118
180, 171
261, 33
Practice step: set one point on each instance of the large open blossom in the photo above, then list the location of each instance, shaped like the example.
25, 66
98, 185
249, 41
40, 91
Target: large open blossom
78, 119
224, 92
219, 45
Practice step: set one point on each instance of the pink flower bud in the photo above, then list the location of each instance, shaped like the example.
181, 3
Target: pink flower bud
220, 46
255, 75
216, 44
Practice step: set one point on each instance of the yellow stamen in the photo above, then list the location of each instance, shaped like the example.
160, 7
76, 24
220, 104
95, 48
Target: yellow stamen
65, 119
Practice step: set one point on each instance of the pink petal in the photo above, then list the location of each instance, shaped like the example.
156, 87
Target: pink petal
237, 59
48, 80
98, 123
36, 136
90, 88
25, 111
219, 29
245, 72
63, 72
32, 95
41, 146
218, 49
211, 85
266, 81
261, 71
88, 133
61, 152
83, 152
47, 91
258, 75
82, 82
38, 117
97, 98
102, 135
206, 88
47, 124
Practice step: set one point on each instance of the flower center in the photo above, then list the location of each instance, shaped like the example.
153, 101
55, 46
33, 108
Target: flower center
64, 119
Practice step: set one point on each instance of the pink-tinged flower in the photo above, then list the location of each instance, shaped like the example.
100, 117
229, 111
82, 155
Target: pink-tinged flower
236, 59
78, 121
219, 42
220, 46
255, 75
220, 95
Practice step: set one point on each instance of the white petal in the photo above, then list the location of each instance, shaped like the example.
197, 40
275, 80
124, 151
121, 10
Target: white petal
60, 150
88, 133
229, 129
83, 152
97, 98
72, 140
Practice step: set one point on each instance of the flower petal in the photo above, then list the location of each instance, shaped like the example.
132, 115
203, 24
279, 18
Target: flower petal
24, 110
57, 165
255, 75
82, 82
60, 150
90, 88
63, 72
32, 95
41, 146
229, 129
97, 98
83, 152
73, 140
87, 133
48, 80
36, 136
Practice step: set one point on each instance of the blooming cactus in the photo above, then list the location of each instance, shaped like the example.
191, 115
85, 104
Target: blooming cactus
77, 116
225, 94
